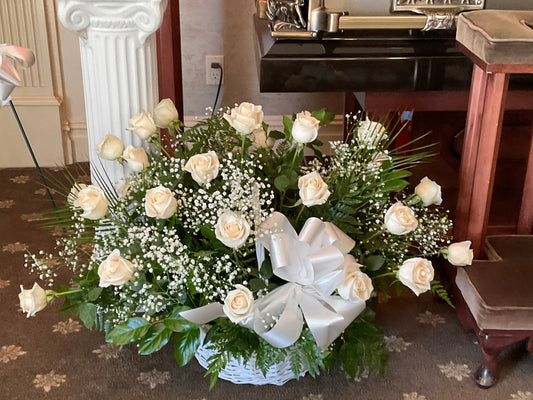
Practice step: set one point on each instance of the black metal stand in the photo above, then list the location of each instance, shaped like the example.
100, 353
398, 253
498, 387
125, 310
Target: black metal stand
41, 176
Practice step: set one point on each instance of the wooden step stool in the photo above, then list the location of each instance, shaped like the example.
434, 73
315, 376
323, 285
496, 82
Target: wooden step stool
499, 43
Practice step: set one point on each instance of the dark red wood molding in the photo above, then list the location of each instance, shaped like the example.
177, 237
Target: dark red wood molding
169, 56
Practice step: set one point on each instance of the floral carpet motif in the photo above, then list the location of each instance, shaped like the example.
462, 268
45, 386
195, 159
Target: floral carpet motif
54, 357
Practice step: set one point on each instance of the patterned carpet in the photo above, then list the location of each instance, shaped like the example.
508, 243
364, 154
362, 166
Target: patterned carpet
52, 357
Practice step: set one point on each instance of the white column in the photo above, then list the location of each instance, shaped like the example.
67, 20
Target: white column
119, 65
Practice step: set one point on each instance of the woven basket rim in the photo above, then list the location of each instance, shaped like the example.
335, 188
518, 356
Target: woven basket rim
239, 373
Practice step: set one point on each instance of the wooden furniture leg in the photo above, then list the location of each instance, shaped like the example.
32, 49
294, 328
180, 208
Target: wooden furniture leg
487, 155
476, 106
525, 218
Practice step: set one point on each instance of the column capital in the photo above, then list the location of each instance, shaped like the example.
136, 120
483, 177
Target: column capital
144, 16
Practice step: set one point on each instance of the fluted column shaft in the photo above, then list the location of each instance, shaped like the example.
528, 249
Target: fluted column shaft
119, 66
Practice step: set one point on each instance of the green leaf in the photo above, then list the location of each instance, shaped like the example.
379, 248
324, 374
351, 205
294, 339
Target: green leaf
256, 284
94, 293
128, 331
87, 313
281, 183
373, 263
323, 116
276, 135
156, 337
287, 124
179, 324
395, 185
266, 269
185, 345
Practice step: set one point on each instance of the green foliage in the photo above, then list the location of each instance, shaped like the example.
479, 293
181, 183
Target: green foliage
185, 345
438, 290
360, 348
128, 331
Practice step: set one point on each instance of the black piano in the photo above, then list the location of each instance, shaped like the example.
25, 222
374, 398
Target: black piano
366, 45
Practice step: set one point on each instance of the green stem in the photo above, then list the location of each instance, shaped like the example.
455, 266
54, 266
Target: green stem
236, 258
296, 152
300, 213
243, 139
57, 294
384, 275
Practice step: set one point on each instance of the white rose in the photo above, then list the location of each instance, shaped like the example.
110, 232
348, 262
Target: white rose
460, 254
356, 284
32, 301
160, 203
261, 140
203, 167
165, 113
429, 192
370, 133
239, 304
305, 127
417, 274
245, 118
73, 195
124, 189
143, 125
313, 189
115, 270
232, 230
110, 148
92, 201
378, 160
136, 158
400, 219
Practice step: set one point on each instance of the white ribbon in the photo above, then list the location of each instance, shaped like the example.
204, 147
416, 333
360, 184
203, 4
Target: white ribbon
311, 263
9, 78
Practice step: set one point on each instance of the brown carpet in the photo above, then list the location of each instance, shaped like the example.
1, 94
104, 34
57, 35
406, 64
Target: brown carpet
48, 357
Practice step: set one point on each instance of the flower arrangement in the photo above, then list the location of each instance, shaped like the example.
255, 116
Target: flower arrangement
232, 239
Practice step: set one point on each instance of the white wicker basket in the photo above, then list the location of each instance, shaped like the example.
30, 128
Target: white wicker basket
238, 373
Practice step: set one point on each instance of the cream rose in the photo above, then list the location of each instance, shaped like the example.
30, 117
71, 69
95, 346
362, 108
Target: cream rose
460, 254
32, 301
245, 118
305, 127
203, 167
239, 304
261, 140
313, 190
370, 133
143, 125
232, 230
160, 203
110, 148
165, 113
73, 195
136, 158
400, 219
429, 192
92, 201
356, 285
417, 274
115, 270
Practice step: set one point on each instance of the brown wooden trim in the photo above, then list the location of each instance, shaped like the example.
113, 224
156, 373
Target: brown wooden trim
169, 56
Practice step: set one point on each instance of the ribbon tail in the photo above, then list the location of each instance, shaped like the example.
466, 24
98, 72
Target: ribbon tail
349, 310
320, 319
205, 314
278, 319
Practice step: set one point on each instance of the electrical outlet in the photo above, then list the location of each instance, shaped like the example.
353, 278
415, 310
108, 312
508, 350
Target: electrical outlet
213, 75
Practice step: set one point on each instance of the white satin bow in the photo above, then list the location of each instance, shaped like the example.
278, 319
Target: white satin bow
311, 263
9, 78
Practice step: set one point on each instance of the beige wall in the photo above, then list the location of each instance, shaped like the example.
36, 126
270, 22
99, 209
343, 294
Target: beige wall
53, 111
225, 27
